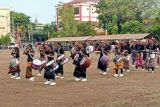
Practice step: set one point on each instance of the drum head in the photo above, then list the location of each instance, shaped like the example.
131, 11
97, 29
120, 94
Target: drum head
89, 49
120, 59
65, 61
60, 57
76, 57
50, 63
153, 56
83, 61
37, 62
43, 62
56, 67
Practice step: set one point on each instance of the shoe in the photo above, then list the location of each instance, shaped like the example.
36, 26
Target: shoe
77, 79
53, 83
104, 73
108, 69
84, 80
157, 66
31, 79
18, 78
39, 75
142, 69
13, 77
47, 82
121, 75
133, 65
128, 70
115, 75
61, 77
56, 76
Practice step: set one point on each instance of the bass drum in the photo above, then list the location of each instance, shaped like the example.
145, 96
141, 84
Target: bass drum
85, 62
36, 65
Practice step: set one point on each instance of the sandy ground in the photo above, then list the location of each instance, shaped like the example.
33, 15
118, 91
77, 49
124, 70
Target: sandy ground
135, 89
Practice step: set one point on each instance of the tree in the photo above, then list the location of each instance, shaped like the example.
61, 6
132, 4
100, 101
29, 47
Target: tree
85, 29
20, 22
67, 19
132, 26
124, 10
4, 40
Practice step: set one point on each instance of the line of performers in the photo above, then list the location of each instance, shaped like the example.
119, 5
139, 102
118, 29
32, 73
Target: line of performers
53, 66
141, 54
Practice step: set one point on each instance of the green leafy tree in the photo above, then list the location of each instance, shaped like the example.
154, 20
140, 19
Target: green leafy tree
5, 40
69, 24
21, 22
85, 29
124, 10
132, 26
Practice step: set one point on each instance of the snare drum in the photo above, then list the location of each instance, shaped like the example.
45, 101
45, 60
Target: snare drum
90, 49
104, 59
53, 64
85, 62
36, 64
14, 63
117, 59
62, 60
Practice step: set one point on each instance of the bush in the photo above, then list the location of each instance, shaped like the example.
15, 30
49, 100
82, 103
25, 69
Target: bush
4, 40
132, 26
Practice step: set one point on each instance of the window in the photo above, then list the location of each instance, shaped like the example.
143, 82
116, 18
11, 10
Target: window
76, 10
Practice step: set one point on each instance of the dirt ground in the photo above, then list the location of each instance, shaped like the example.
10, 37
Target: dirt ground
135, 89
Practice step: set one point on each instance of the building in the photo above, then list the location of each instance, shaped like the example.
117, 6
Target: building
4, 21
36, 26
84, 10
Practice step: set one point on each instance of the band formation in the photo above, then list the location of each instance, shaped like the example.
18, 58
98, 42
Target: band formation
126, 56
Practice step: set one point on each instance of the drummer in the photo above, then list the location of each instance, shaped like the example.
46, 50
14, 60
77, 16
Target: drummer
104, 60
118, 65
80, 73
49, 73
29, 51
42, 58
60, 51
15, 72
101, 49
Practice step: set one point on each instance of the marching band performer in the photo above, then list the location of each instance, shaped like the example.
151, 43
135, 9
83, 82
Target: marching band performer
139, 56
60, 51
49, 73
79, 72
104, 60
100, 64
126, 61
29, 51
118, 60
151, 57
133, 52
42, 58
14, 67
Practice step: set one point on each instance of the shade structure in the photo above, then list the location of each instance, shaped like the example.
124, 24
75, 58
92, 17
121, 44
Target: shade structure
103, 37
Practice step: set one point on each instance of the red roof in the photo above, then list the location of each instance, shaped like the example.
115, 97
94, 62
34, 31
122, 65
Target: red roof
79, 1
